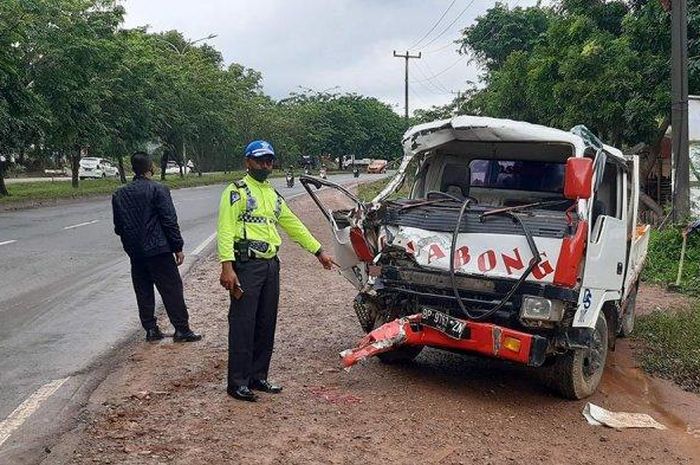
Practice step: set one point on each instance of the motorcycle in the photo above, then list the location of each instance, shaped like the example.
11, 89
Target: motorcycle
290, 180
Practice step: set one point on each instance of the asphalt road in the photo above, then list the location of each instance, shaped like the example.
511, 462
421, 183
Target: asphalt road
65, 290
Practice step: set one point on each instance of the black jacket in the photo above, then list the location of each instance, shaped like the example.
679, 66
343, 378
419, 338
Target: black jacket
145, 219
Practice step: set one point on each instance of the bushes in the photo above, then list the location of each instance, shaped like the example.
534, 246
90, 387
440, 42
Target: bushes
664, 255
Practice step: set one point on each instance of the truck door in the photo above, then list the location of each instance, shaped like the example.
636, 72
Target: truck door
606, 254
345, 221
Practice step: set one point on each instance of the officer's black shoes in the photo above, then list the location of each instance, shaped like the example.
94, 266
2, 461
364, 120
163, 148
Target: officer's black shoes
186, 335
265, 386
154, 334
242, 393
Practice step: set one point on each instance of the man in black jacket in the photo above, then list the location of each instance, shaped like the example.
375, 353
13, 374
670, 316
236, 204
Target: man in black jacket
146, 222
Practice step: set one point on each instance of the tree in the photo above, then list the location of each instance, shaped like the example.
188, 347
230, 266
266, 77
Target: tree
72, 73
602, 64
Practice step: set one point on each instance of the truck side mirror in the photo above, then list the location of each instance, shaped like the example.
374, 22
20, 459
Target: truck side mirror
578, 178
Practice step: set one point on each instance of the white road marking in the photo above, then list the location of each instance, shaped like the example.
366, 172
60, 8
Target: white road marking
26, 408
7, 242
81, 224
203, 245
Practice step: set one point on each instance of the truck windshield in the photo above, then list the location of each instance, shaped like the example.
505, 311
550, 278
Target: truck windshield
520, 175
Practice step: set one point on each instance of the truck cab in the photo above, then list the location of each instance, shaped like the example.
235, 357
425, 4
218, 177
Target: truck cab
517, 241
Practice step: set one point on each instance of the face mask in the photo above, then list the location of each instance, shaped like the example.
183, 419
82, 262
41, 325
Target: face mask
259, 175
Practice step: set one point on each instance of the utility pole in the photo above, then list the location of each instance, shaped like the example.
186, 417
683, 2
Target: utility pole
406, 57
679, 108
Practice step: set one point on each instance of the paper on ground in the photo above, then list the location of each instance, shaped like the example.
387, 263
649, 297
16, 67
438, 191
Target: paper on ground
598, 416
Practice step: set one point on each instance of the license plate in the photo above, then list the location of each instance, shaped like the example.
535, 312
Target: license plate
444, 323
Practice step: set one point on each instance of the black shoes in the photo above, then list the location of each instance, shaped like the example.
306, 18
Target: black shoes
265, 386
154, 334
243, 393
186, 335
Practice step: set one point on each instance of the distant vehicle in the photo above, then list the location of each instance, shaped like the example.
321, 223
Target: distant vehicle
377, 166
174, 168
96, 168
349, 161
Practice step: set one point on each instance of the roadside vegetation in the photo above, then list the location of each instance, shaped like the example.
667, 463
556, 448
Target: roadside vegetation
27, 192
75, 82
669, 340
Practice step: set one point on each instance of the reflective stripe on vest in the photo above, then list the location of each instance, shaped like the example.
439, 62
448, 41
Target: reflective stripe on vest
251, 204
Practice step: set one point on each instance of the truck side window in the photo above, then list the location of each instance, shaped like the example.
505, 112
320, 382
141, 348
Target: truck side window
605, 201
455, 180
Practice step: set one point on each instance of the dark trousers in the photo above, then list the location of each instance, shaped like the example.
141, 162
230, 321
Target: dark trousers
252, 321
160, 270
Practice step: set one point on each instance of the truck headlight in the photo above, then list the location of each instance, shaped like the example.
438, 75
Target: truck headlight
541, 309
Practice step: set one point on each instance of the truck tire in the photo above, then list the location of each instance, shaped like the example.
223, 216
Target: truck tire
577, 373
400, 355
628, 313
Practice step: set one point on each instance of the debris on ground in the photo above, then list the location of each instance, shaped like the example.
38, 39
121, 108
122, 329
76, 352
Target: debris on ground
598, 416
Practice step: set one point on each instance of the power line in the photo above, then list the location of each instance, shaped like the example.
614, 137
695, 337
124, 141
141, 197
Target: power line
426, 75
441, 48
440, 73
415, 44
451, 24
435, 87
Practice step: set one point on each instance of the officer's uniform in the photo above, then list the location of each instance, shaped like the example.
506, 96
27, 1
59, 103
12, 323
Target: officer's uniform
249, 212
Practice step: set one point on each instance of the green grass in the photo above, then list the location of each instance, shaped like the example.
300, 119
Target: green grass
368, 191
670, 346
21, 193
669, 341
664, 254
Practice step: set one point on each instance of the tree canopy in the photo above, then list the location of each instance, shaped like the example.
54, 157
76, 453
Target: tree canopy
605, 64
73, 81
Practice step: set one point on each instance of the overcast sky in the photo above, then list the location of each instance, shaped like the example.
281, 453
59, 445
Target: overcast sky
322, 44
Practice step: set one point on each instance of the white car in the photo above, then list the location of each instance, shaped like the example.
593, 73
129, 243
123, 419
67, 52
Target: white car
96, 168
174, 168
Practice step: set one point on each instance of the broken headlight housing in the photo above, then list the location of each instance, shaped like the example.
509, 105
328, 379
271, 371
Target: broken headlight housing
535, 311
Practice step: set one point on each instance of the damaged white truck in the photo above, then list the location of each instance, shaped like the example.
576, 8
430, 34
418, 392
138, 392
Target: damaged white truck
517, 241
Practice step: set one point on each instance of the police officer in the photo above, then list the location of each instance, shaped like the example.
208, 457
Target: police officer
248, 241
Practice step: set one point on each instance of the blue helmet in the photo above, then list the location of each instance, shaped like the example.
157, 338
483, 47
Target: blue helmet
259, 148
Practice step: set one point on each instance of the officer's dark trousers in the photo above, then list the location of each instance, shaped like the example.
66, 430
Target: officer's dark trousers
252, 321
160, 270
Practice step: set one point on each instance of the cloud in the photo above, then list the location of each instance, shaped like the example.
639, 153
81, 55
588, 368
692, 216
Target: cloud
323, 44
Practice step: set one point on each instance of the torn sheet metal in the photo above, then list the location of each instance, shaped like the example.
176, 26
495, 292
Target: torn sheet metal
598, 416
382, 339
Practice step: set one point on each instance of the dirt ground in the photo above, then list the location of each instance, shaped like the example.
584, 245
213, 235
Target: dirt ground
167, 404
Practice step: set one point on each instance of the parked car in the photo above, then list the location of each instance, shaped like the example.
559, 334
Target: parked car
517, 241
96, 168
377, 166
174, 168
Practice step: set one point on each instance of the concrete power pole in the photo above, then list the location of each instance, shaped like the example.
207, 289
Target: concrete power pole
406, 57
679, 108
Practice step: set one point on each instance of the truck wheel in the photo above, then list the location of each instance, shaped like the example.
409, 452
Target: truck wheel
403, 354
577, 373
628, 314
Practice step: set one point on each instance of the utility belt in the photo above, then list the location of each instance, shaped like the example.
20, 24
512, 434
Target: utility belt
245, 249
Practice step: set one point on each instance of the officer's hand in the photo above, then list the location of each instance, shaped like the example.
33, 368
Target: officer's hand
326, 260
228, 278
179, 258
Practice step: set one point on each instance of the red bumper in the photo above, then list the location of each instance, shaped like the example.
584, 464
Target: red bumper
483, 338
